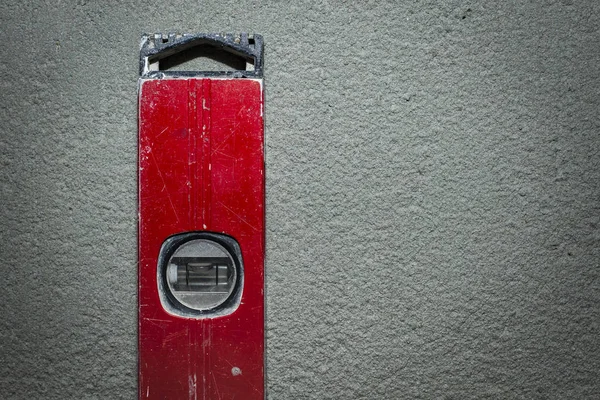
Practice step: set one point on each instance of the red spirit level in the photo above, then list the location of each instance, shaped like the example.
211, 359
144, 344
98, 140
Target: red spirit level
201, 222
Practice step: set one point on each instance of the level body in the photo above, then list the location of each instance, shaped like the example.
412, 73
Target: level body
201, 169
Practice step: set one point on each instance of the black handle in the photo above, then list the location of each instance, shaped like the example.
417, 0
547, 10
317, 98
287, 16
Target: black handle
156, 46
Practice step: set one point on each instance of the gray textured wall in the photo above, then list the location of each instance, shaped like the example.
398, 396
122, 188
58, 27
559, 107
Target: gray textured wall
433, 196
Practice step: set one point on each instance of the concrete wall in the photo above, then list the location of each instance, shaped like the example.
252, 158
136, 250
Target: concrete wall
433, 196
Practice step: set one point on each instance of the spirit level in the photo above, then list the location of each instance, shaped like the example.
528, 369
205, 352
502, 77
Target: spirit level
201, 222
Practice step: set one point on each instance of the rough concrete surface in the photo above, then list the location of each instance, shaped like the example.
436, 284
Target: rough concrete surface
433, 195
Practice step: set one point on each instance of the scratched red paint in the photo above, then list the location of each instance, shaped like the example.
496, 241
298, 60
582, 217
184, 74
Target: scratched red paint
201, 168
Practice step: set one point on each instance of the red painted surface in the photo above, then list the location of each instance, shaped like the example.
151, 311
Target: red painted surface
201, 168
